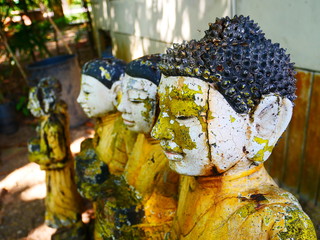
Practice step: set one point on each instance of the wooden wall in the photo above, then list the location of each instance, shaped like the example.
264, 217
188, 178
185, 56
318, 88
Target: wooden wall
295, 161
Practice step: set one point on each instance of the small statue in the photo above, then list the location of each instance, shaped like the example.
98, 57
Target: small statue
106, 154
224, 102
153, 185
50, 149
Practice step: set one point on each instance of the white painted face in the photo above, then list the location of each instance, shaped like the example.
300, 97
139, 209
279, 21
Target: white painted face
228, 133
95, 98
181, 125
138, 103
201, 134
34, 104
239, 141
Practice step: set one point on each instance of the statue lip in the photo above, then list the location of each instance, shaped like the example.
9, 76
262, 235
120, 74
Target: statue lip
86, 110
172, 155
128, 122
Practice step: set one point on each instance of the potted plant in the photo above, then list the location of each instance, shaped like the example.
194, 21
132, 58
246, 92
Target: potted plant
8, 119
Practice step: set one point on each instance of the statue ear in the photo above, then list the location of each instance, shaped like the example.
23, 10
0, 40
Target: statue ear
115, 88
270, 120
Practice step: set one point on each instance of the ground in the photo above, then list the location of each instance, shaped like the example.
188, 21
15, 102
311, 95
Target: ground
22, 185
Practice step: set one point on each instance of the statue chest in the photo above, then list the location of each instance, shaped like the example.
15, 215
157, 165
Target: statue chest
147, 167
206, 211
202, 211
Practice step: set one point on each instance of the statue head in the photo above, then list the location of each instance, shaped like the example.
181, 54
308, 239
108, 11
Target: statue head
99, 86
44, 97
139, 89
225, 100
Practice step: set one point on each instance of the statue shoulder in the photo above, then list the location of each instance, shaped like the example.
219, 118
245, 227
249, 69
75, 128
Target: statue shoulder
53, 124
293, 224
276, 213
62, 107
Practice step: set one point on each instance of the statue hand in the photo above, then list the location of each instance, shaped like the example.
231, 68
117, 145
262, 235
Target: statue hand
34, 145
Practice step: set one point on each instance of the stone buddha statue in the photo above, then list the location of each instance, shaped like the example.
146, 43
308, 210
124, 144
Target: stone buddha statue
107, 153
147, 204
98, 97
224, 102
50, 149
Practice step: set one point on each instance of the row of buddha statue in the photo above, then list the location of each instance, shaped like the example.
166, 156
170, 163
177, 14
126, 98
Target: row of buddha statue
179, 145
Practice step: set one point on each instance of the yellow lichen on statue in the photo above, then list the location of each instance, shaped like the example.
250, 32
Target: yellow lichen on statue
245, 206
148, 211
235, 92
103, 158
113, 142
63, 203
50, 149
148, 172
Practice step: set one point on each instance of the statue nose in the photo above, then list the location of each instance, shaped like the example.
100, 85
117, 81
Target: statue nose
161, 129
123, 104
80, 97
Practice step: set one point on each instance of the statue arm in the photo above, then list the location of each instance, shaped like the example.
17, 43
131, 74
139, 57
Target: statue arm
37, 152
56, 143
49, 149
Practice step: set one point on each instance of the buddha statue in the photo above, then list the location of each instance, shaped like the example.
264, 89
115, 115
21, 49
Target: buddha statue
98, 97
224, 102
146, 205
50, 149
106, 154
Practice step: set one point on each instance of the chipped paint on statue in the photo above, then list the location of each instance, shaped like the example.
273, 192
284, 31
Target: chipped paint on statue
147, 173
99, 86
188, 110
222, 110
34, 104
138, 103
96, 99
184, 109
50, 149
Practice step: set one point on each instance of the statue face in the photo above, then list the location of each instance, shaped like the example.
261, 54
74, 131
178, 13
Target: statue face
34, 104
200, 132
138, 103
181, 125
95, 98
229, 134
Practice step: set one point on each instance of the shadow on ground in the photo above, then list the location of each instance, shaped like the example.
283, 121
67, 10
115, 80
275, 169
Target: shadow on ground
22, 185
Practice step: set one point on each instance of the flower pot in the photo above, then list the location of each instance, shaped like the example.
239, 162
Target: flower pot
8, 120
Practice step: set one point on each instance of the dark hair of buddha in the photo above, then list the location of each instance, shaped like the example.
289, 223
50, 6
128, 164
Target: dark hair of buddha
105, 70
234, 55
146, 67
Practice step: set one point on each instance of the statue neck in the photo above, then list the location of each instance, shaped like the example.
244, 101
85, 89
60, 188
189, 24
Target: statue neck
44, 117
151, 140
237, 182
107, 118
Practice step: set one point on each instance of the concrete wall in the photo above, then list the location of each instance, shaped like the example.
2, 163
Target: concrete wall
295, 24
140, 27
